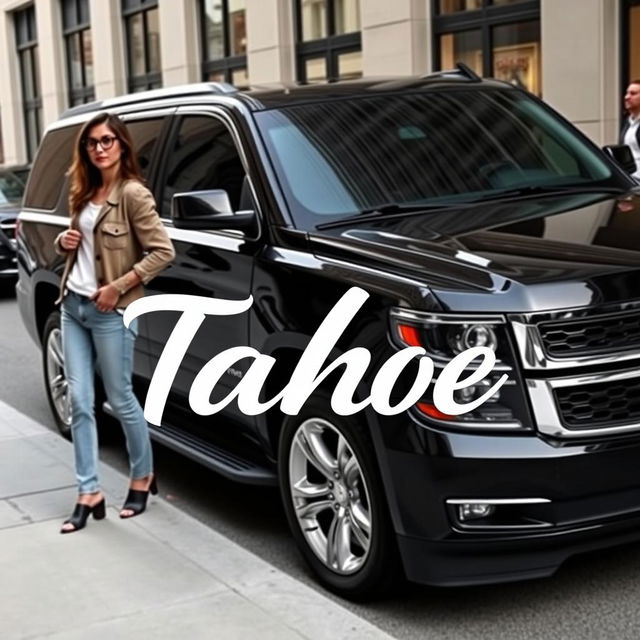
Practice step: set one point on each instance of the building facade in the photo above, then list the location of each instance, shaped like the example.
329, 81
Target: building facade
576, 54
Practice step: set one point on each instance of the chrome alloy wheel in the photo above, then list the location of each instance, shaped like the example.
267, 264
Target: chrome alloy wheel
56, 380
330, 496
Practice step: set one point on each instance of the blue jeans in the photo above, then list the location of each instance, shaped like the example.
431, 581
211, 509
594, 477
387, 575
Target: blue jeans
89, 338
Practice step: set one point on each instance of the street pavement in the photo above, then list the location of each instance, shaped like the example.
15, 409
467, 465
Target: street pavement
162, 574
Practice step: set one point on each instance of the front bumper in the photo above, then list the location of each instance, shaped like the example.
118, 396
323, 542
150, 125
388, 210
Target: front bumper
456, 563
592, 489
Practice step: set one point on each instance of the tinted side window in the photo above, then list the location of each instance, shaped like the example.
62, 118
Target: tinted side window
204, 156
145, 134
55, 155
52, 162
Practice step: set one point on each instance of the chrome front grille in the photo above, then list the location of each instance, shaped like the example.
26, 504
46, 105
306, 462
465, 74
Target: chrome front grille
592, 362
586, 406
579, 337
590, 336
604, 404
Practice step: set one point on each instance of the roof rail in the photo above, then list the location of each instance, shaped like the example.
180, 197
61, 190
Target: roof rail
461, 71
200, 88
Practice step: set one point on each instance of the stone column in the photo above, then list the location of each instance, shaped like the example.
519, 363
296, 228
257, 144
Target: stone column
109, 48
580, 66
13, 136
179, 42
395, 37
271, 41
52, 61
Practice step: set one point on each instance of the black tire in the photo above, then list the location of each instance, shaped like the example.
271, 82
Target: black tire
369, 566
55, 381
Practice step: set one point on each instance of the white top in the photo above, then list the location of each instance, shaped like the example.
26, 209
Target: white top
82, 278
631, 140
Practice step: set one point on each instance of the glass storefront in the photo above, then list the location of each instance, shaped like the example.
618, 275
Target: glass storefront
462, 46
224, 41
316, 69
350, 65
237, 28
329, 45
454, 6
516, 54
345, 18
314, 19
632, 55
495, 38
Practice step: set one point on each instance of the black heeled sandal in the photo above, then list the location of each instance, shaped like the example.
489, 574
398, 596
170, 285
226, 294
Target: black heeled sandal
80, 514
137, 499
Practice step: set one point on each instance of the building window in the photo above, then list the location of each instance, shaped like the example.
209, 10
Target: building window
142, 33
27, 46
496, 38
329, 44
630, 39
78, 47
224, 41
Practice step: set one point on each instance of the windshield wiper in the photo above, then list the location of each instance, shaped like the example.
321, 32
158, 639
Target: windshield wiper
383, 211
396, 210
539, 189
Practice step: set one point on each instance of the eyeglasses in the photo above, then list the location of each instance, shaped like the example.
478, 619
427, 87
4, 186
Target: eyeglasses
106, 142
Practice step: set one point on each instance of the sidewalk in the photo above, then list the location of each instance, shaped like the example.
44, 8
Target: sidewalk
162, 575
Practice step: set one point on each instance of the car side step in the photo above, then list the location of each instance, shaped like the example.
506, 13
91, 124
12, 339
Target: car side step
216, 458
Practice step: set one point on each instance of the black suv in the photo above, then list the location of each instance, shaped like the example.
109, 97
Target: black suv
472, 215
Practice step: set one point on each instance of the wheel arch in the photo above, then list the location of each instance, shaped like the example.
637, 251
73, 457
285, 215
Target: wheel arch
287, 348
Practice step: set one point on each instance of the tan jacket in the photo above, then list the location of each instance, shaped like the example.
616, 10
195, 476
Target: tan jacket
128, 234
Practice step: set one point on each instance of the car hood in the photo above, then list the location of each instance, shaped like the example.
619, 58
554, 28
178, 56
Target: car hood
532, 254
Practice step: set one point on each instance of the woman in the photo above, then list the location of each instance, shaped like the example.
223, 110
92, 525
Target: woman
116, 242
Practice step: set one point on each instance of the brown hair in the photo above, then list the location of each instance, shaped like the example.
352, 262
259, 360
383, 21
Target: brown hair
84, 176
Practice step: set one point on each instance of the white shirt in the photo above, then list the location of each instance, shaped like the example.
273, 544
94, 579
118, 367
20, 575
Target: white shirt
631, 140
82, 278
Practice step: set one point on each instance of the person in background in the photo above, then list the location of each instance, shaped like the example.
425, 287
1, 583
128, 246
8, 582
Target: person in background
630, 133
116, 242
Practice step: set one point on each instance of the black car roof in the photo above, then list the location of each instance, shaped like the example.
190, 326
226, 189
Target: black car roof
279, 95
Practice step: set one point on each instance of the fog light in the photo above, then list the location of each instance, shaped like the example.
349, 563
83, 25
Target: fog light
468, 394
475, 511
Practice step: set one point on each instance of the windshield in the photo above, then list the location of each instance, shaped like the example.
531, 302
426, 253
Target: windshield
11, 187
338, 158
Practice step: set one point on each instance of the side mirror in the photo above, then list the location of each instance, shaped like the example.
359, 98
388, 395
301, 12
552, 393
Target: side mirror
623, 156
208, 210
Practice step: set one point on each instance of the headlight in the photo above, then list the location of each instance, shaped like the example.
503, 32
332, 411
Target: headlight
444, 336
472, 335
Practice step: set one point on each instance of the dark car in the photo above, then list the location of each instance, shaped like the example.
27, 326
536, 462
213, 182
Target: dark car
11, 192
470, 214
21, 171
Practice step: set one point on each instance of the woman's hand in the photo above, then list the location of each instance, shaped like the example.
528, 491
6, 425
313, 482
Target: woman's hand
70, 239
106, 298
